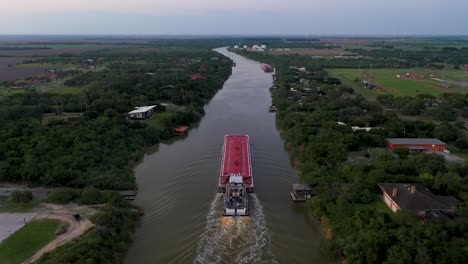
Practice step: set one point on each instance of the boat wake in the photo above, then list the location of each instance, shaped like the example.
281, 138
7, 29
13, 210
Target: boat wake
235, 239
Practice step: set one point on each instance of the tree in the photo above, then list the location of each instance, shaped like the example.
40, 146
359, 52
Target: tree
91, 195
22, 196
402, 152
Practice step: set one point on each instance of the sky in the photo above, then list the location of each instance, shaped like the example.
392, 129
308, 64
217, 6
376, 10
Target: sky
235, 17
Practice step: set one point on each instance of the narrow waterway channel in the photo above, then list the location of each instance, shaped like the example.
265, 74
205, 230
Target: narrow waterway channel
177, 187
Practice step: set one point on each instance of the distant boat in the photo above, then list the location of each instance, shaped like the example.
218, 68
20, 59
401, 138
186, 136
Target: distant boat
267, 68
272, 109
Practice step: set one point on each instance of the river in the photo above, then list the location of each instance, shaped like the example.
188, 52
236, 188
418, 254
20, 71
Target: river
177, 187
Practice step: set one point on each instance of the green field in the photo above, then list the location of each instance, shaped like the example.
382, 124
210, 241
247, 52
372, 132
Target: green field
386, 78
29, 239
160, 120
4, 92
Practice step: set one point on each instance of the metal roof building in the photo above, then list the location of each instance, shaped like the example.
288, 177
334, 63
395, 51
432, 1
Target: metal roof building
142, 112
432, 144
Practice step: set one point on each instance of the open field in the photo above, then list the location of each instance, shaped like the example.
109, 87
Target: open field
388, 82
160, 120
26, 241
9, 61
16, 73
7, 92
73, 49
306, 51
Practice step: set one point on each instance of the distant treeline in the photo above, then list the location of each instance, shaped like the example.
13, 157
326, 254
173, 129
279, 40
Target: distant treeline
24, 48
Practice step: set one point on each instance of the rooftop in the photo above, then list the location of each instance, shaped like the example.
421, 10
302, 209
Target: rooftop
415, 141
415, 196
302, 187
142, 109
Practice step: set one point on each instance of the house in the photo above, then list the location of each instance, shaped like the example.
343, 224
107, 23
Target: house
417, 199
181, 130
197, 77
21, 85
416, 144
306, 91
142, 112
258, 48
88, 64
465, 66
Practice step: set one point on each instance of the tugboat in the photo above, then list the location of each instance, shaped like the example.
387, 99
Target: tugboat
236, 199
235, 178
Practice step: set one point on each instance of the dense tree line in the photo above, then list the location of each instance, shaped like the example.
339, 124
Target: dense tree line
99, 148
347, 201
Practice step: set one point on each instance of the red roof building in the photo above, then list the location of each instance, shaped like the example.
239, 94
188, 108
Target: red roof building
416, 144
465, 66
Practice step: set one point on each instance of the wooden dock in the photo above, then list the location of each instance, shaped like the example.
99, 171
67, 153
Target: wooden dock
128, 194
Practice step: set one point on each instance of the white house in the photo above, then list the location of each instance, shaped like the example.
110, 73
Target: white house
142, 112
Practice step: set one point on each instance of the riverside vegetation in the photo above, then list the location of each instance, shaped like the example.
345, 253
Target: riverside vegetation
361, 228
97, 150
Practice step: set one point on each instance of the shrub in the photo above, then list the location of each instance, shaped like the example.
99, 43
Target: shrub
64, 195
91, 195
22, 196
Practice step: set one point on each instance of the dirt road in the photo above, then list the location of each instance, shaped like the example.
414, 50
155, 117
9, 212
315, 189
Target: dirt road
74, 230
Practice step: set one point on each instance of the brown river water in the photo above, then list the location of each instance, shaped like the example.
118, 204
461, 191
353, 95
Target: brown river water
177, 187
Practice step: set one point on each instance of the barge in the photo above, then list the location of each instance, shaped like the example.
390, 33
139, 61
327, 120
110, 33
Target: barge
235, 179
267, 68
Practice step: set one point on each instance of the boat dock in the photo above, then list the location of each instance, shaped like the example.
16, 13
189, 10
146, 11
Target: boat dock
301, 192
128, 194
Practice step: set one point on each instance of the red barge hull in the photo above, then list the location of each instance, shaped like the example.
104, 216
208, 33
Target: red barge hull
236, 162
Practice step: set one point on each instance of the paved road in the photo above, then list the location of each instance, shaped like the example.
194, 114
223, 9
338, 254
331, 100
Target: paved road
11, 222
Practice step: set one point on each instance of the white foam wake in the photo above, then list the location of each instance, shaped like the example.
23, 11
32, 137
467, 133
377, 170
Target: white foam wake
235, 239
